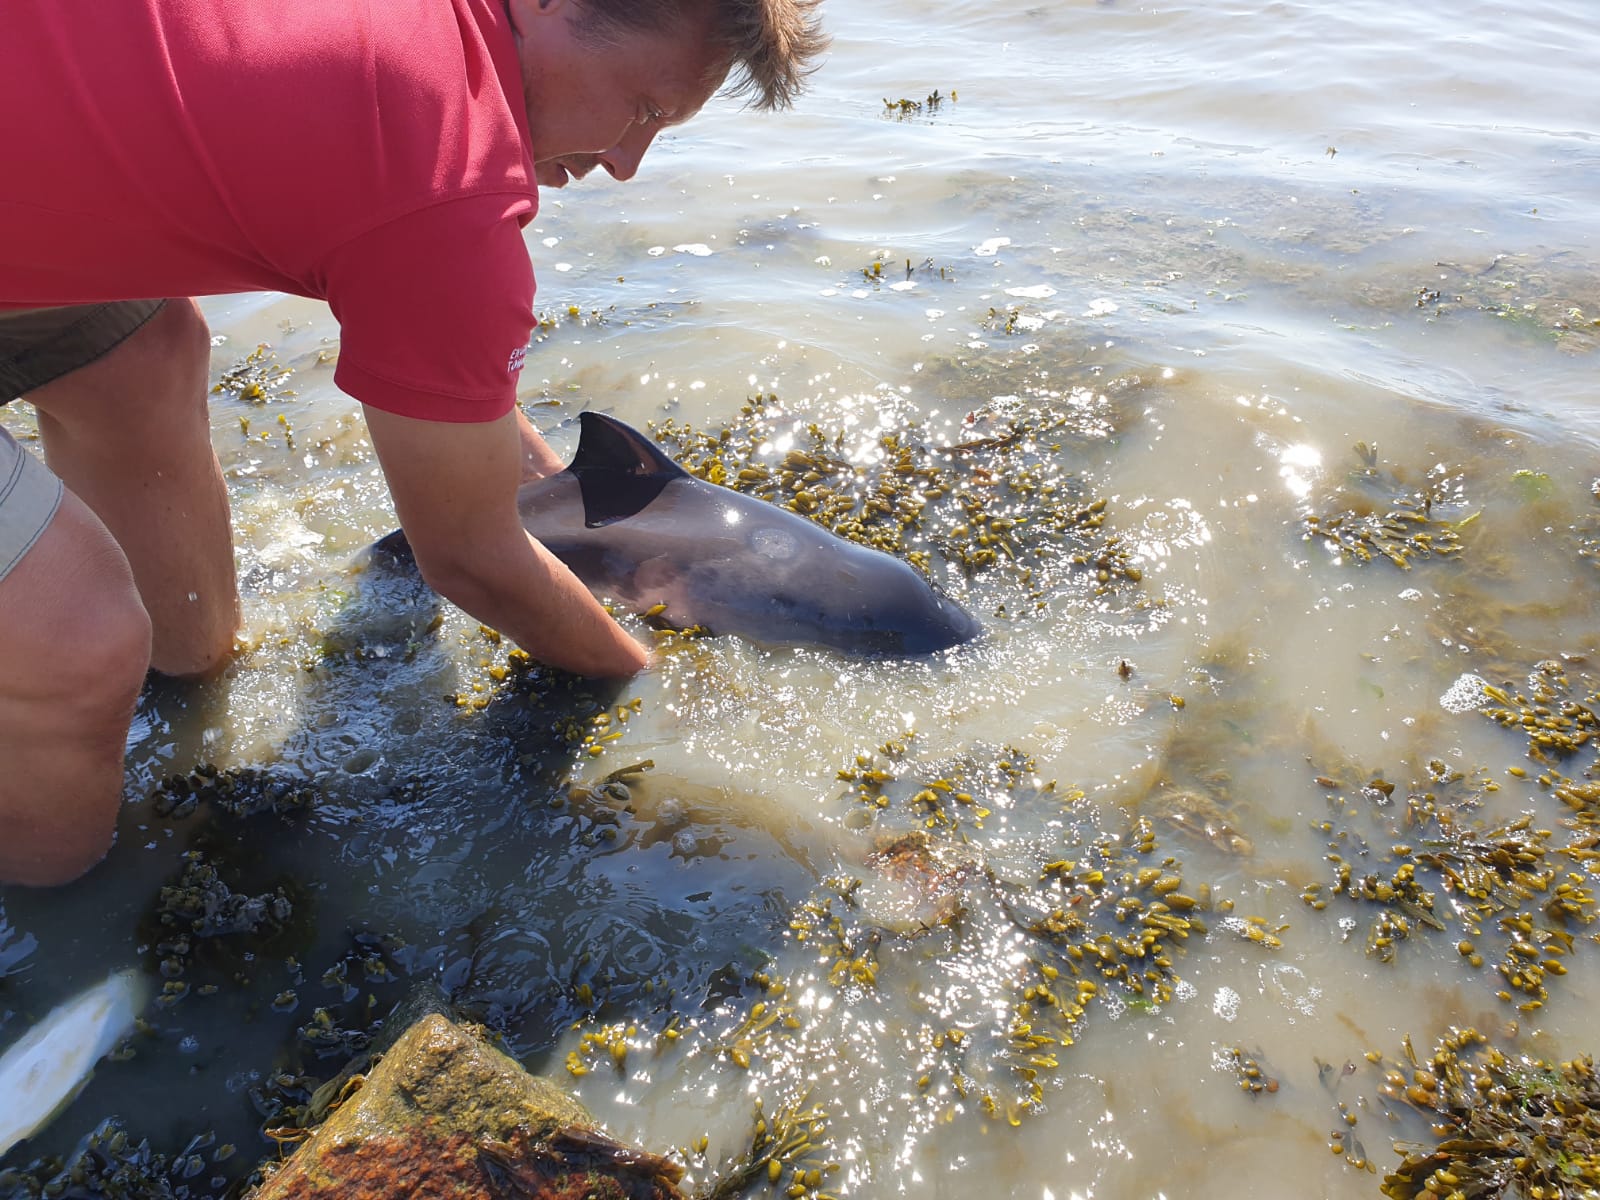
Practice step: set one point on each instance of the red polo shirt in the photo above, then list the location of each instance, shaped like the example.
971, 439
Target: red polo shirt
373, 155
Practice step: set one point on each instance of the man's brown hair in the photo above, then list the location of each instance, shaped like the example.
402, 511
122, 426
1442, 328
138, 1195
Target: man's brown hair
772, 45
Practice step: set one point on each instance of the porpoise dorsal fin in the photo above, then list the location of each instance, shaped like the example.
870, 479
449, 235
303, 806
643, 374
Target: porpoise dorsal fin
618, 468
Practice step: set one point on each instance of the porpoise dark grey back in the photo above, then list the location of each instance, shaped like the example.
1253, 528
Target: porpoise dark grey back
650, 534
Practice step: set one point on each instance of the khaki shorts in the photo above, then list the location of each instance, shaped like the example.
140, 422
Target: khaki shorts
38, 345
29, 497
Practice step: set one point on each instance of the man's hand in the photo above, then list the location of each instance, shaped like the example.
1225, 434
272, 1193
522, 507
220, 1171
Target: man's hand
455, 490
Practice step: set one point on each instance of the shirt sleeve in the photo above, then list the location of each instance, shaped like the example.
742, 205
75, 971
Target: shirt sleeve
435, 309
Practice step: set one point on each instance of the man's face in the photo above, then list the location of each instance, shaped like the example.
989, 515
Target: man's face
602, 105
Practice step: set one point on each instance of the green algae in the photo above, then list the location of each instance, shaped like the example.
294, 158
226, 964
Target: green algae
1550, 297
1254, 242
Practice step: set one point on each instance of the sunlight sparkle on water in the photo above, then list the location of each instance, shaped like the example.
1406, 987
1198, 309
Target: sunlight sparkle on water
1297, 465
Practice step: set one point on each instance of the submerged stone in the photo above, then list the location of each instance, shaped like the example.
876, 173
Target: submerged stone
444, 1114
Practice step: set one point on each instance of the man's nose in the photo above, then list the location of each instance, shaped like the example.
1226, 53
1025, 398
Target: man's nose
623, 159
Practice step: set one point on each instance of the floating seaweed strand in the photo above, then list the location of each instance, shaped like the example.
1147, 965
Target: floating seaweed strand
257, 378
790, 1140
1557, 724
1405, 532
1408, 530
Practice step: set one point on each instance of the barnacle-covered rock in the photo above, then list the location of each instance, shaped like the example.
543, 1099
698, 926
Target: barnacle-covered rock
445, 1114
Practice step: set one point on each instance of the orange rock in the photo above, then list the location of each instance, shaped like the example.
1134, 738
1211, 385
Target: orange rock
445, 1116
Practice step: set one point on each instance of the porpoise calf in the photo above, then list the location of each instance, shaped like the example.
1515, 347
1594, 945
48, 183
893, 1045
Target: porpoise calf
636, 527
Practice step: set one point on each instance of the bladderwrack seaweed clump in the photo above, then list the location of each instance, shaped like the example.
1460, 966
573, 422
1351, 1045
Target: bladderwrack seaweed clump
994, 498
1375, 512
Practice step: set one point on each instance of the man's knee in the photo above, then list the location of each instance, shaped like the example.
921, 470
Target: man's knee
76, 643
151, 382
66, 754
176, 339
72, 613
47, 850
103, 665
163, 367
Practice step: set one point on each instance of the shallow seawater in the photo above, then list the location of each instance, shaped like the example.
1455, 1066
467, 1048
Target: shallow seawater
1259, 277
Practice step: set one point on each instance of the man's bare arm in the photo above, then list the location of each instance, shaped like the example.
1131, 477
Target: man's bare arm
538, 460
455, 488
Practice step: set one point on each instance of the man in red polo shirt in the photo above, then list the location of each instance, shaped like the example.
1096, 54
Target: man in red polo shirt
383, 158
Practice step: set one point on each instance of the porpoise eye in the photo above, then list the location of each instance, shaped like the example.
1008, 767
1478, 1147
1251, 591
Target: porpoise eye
772, 543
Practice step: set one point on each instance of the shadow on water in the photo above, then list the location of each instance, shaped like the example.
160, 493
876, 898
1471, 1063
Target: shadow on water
409, 829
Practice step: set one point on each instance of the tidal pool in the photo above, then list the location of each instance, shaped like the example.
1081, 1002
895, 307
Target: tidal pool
1235, 365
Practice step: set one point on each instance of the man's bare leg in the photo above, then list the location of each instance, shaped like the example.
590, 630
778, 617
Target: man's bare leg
75, 644
129, 433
